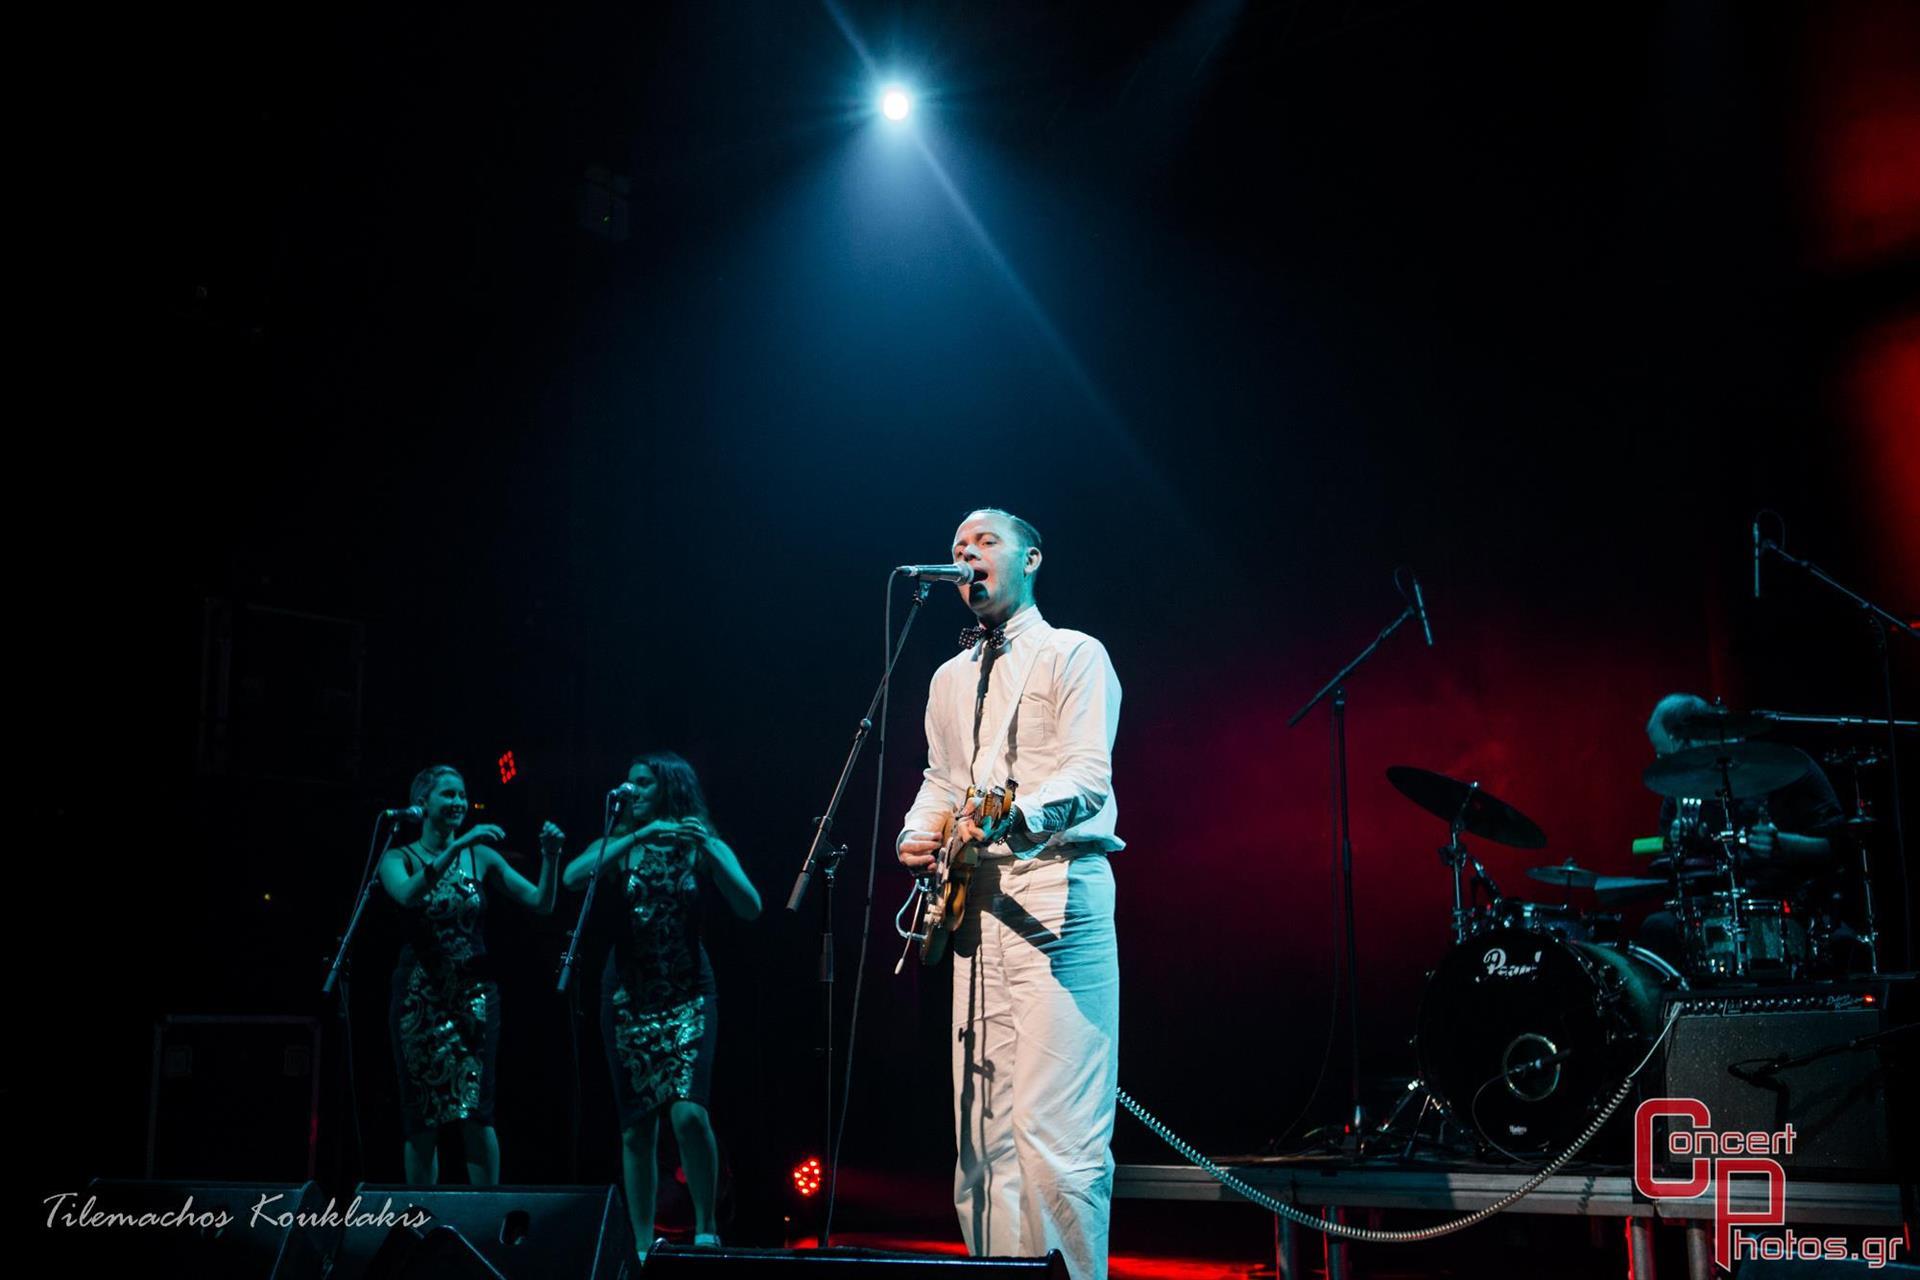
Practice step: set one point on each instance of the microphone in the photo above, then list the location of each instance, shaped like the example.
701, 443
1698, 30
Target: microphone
1540, 1064
1756, 557
625, 791
1420, 607
961, 573
412, 813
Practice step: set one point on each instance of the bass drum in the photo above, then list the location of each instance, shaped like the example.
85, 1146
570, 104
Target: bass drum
1525, 1036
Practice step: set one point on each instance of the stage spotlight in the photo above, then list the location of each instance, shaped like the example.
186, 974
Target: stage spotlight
895, 102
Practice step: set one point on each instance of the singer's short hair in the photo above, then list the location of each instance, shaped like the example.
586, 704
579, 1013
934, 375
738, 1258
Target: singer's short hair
1028, 535
423, 782
680, 795
1669, 710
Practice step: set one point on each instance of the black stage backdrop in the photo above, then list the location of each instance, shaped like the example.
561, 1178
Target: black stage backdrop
590, 369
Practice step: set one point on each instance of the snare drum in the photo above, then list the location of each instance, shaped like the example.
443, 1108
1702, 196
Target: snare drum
1553, 919
1550, 918
1767, 938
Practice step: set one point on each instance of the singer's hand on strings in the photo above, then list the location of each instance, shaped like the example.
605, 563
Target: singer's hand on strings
916, 849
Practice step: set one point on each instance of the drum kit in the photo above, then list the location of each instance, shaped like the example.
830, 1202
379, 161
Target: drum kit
1540, 1009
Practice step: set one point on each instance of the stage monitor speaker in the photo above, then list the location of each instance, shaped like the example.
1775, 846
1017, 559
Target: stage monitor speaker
1726, 1050
520, 1233
212, 1230
668, 1262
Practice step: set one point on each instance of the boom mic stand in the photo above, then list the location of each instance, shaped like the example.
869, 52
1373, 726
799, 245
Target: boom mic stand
616, 798
337, 984
1343, 845
823, 857
1875, 616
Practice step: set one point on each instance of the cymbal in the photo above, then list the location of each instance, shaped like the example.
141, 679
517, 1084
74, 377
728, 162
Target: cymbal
1567, 875
1477, 812
1718, 725
1613, 891
1750, 769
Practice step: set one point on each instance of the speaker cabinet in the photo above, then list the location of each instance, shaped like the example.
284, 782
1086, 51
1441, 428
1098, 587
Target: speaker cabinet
1819, 1060
233, 1093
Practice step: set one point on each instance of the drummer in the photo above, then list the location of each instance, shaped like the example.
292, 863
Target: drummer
1789, 832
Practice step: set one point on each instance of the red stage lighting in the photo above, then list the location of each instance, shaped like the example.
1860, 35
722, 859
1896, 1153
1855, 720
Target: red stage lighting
806, 1176
508, 771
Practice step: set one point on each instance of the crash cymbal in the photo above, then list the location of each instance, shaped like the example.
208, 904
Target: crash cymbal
1749, 769
1464, 802
1567, 875
1718, 725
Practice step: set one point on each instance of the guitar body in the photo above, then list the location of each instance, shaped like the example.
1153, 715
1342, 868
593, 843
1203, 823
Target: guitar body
947, 886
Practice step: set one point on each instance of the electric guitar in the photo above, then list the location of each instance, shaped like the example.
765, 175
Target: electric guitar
944, 888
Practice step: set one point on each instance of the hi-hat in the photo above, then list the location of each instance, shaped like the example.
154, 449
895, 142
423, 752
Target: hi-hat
1567, 875
1476, 812
1612, 890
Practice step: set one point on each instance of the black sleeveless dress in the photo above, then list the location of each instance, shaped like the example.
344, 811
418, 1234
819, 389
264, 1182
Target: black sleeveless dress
444, 1014
658, 1015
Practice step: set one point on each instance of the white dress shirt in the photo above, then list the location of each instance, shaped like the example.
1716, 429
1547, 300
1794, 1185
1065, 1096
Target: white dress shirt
1051, 711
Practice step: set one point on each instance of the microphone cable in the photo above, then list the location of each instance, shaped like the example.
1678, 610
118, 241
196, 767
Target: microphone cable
1340, 1229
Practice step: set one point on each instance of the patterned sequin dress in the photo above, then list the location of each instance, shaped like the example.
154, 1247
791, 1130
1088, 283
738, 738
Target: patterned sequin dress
445, 1012
658, 1015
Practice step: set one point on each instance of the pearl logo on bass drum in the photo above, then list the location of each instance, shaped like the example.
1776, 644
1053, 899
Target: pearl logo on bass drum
1497, 967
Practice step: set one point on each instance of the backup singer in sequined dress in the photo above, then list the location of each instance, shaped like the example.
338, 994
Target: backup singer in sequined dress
658, 1015
445, 1011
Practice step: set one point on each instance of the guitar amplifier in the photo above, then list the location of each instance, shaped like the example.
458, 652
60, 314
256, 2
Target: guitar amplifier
1818, 1057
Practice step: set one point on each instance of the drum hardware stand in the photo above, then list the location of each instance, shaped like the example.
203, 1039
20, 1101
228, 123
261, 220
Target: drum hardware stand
1343, 847
1862, 819
1455, 856
1730, 841
1429, 1102
1879, 621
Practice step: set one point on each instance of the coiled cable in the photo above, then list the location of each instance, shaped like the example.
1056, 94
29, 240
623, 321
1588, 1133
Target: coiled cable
1293, 1214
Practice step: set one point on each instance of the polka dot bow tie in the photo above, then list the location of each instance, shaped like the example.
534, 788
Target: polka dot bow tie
996, 639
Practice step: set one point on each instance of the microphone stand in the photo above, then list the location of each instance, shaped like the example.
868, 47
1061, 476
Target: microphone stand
823, 826
823, 857
1875, 616
586, 901
565, 984
336, 986
1343, 846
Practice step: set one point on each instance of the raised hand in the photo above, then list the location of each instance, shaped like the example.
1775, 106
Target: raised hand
553, 841
483, 832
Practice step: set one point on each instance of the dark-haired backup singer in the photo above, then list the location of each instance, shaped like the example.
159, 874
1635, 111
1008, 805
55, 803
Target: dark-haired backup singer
445, 1011
1036, 979
658, 1013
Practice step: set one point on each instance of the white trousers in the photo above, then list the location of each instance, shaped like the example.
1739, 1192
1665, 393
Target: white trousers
1036, 1015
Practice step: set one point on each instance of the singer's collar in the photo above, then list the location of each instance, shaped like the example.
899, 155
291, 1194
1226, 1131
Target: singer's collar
1025, 620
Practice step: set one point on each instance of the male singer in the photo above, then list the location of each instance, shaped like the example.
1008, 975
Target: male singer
1036, 981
